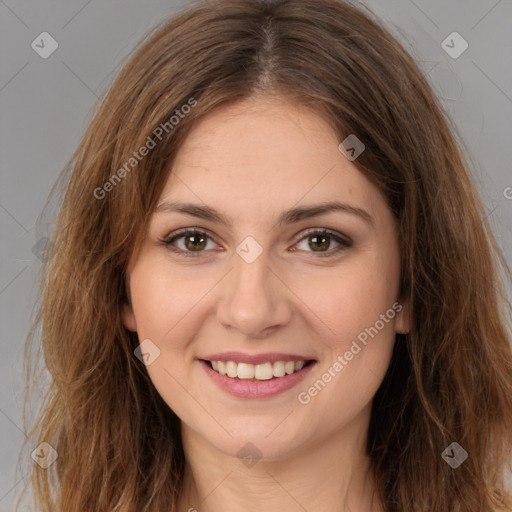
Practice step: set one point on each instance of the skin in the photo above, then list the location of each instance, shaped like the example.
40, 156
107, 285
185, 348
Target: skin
252, 161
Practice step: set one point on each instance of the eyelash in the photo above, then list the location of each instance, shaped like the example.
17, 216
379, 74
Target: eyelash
344, 241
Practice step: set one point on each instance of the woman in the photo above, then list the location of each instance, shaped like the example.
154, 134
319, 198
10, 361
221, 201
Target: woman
272, 283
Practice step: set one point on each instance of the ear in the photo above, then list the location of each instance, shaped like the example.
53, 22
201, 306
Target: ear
403, 320
129, 320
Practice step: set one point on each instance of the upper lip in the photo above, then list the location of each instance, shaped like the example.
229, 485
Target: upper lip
240, 357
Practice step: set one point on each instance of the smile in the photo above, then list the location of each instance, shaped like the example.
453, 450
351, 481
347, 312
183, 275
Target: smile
257, 381
263, 371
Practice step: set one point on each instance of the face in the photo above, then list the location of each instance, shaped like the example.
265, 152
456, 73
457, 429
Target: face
266, 285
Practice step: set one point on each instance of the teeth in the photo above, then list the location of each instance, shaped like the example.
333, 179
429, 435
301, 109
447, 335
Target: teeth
264, 371
245, 371
231, 369
289, 367
221, 367
279, 369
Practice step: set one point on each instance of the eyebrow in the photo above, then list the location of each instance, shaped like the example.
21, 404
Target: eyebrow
288, 217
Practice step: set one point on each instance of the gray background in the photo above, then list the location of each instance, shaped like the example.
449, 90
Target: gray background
46, 105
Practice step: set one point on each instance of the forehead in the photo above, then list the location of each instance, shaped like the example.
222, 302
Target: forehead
258, 130
264, 154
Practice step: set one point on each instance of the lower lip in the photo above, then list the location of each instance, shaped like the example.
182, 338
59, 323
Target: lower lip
257, 389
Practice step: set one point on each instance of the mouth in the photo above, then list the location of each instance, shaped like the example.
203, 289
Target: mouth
257, 372
256, 376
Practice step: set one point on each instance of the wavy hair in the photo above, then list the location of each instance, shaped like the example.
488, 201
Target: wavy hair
450, 379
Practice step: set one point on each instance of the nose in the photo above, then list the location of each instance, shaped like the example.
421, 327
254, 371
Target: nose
255, 300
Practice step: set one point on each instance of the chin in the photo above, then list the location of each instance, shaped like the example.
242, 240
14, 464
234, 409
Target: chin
256, 444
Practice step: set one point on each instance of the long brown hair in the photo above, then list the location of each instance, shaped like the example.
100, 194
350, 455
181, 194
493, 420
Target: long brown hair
450, 378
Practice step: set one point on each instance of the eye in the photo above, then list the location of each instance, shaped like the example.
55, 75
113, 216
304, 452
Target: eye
317, 240
196, 240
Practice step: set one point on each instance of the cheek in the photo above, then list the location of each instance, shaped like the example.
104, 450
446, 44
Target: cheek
165, 304
352, 297
356, 359
162, 300
358, 308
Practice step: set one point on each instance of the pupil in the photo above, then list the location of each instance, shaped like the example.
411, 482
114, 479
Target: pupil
323, 241
193, 245
318, 242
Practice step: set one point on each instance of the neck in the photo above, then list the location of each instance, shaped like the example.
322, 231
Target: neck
332, 474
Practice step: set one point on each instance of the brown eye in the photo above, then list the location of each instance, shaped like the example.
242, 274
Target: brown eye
320, 241
194, 241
